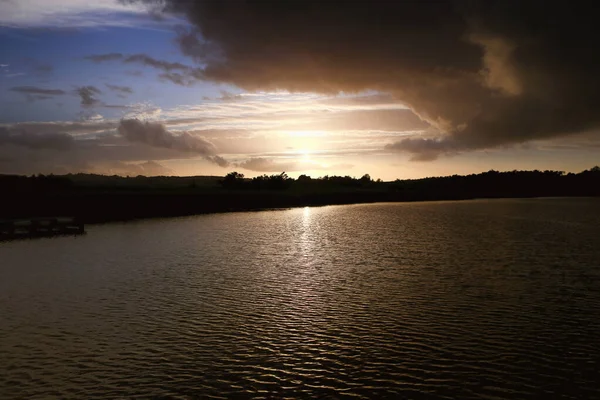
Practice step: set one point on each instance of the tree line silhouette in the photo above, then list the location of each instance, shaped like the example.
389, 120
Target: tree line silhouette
97, 198
283, 181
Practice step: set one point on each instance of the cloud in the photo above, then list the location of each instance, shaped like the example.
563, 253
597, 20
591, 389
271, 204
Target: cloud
154, 63
483, 74
33, 90
35, 97
426, 149
155, 134
93, 147
87, 94
124, 90
175, 72
227, 96
75, 128
72, 13
368, 119
220, 161
191, 44
144, 111
261, 164
117, 106
95, 117
177, 78
264, 164
33, 140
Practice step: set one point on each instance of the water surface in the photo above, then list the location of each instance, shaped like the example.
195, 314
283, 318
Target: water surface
493, 299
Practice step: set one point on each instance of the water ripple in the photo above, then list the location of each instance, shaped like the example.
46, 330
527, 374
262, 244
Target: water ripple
481, 299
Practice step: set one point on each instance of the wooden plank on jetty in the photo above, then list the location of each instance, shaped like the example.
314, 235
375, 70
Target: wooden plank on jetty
39, 227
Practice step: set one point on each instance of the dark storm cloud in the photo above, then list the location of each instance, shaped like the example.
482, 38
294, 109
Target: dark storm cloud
191, 45
484, 73
33, 90
87, 94
156, 134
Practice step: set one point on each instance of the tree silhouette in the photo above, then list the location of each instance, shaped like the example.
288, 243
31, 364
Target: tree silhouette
232, 180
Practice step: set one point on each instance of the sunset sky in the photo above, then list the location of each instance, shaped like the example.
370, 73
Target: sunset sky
393, 89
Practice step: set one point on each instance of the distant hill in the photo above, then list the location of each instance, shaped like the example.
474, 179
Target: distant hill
93, 180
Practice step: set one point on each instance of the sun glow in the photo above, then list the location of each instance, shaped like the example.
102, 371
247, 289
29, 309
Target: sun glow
305, 155
306, 133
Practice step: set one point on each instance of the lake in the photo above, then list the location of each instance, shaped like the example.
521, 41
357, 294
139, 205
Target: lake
489, 299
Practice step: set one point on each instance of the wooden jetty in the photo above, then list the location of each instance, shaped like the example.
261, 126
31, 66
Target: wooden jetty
39, 227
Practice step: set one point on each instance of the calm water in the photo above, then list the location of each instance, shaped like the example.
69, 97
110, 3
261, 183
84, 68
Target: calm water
482, 299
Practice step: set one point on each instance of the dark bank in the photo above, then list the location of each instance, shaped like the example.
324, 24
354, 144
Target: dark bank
96, 198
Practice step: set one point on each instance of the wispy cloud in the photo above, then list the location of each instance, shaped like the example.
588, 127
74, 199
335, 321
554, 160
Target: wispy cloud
72, 128
292, 112
120, 89
139, 58
87, 94
155, 63
70, 13
177, 78
261, 132
174, 72
261, 164
37, 90
15, 74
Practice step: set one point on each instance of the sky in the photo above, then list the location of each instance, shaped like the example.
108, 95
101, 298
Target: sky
394, 89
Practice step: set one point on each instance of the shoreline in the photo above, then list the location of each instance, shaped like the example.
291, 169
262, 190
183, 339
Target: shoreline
158, 208
283, 208
98, 199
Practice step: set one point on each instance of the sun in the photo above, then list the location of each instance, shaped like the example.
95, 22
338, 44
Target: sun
305, 155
